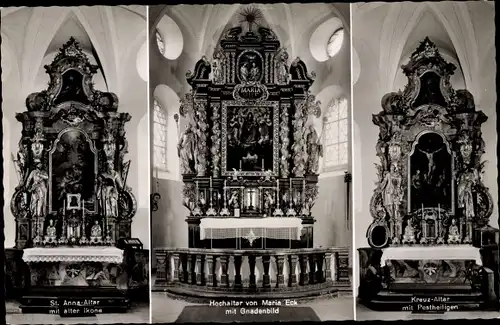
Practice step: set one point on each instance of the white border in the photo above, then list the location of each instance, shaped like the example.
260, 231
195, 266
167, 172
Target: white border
354, 255
149, 161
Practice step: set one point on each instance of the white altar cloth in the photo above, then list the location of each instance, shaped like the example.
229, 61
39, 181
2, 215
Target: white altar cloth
452, 252
73, 254
237, 224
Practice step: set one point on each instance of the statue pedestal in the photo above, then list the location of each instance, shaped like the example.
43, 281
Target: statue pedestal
90, 278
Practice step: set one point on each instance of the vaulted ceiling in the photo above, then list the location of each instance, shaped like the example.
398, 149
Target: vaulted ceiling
201, 26
463, 31
110, 36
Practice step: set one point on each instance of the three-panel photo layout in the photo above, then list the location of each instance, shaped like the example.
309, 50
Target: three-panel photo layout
253, 162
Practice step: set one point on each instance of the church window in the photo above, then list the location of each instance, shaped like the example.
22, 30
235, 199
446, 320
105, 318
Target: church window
335, 131
335, 42
160, 137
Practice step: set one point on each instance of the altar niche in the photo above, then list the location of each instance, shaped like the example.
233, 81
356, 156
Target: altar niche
248, 149
430, 205
72, 174
430, 189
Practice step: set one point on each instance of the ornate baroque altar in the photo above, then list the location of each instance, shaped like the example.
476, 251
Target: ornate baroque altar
431, 209
72, 203
249, 157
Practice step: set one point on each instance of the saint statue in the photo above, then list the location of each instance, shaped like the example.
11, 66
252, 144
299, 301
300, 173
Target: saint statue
244, 73
217, 73
186, 149
50, 232
36, 184
453, 233
392, 192
254, 74
409, 235
265, 124
234, 200
314, 150
268, 202
96, 230
282, 68
466, 182
108, 191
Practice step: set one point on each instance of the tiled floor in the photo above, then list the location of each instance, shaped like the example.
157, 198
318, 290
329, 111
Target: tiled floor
136, 314
165, 309
363, 313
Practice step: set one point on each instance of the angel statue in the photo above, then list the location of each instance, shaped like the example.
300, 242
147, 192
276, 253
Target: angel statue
314, 150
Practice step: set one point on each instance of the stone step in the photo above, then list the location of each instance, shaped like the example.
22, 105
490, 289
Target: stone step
442, 288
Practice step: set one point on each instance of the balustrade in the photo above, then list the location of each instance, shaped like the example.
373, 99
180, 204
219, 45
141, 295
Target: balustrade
252, 270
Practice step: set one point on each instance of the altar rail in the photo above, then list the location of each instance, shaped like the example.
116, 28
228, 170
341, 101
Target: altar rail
199, 272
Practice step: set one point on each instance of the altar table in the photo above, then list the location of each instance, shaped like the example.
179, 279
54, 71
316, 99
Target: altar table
442, 252
73, 254
288, 228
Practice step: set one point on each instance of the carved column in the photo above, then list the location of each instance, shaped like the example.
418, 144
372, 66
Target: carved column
177, 266
202, 123
252, 280
216, 140
211, 271
298, 147
266, 279
224, 278
237, 271
284, 139
233, 67
280, 277
292, 277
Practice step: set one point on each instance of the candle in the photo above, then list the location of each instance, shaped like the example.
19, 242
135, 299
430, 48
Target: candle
278, 185
197, 192
439, 211
240, 164
262, 164
210, 181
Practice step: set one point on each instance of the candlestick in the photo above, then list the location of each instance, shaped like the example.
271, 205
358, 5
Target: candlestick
304, 190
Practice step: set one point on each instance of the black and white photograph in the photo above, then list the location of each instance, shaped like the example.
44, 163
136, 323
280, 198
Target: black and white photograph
425, 142
250, 159
76, 191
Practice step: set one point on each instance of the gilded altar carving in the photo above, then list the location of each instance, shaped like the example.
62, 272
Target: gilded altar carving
248, 132
430, 149
72, 148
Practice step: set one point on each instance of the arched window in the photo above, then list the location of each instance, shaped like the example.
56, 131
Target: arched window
335, 129
160, 136
160, 43
335, 42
